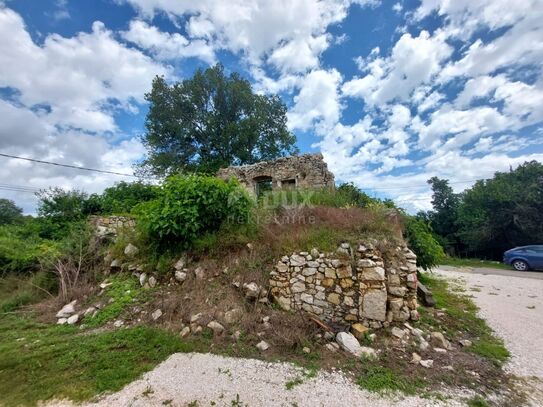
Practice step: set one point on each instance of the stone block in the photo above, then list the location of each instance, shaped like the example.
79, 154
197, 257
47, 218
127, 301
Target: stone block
374, 305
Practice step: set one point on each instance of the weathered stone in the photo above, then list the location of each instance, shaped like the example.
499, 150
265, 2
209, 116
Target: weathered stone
333, 298
67, 310
263, 346
89, 311
438, 339
152, 282
252, 290
297, 260
427, 363
180, 264
359, 330
233, 316
374, 304
216, 327
116, 264
62, 321
332, 347
393, 280
348, 301
307, 298
156, 314
397, 291
330, 272
346, 282
425, 295
397, 332
373, 274
184, 332
130, 250
327, 282
195, 317
180, 276
344, 271
415, 358
143, 279
365, 263
73, 319
466, 343
298, 287
281, 267
309, 271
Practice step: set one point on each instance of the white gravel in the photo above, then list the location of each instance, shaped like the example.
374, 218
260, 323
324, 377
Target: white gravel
205, 378
513, 308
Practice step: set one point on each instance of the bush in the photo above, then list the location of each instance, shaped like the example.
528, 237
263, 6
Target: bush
421, 241
124, 196
190, 206
9, 212
21, 249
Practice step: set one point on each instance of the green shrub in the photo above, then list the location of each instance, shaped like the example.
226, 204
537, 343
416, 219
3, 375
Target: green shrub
21, 249
421, 241
124, 196
190, 206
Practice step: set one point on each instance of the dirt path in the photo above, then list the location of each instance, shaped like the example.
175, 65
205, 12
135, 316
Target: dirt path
513, 308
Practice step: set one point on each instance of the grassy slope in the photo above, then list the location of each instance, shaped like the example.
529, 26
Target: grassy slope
40, 362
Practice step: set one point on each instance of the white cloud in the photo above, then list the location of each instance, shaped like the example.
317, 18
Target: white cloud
413, 62
261, 30
66, 94
318, 100
76, 77
166, 46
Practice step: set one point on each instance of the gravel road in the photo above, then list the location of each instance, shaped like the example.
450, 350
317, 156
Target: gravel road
185, 378
512, 306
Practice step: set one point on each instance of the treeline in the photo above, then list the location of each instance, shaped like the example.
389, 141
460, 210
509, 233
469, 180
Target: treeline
492, 216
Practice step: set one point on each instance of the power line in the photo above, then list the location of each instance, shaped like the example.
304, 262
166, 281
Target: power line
68, 166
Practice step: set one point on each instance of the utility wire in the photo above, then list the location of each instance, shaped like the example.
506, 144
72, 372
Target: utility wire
68, 166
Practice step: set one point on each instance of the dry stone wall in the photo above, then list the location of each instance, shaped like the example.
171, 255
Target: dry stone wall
352, 285
302, 171
111, 225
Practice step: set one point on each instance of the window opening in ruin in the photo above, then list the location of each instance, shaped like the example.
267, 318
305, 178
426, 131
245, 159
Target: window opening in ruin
263, 184
288, 184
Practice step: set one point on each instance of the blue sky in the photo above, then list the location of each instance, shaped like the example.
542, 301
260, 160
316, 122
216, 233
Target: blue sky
391, 93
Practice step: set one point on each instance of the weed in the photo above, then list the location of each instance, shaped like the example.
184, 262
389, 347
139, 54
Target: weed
292, 383
477, 401
380, 379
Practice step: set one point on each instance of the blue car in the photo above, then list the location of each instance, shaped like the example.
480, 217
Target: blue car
525, 258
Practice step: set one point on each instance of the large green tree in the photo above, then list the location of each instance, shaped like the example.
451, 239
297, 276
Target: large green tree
210, 121
503, 212
443, 217
9, 212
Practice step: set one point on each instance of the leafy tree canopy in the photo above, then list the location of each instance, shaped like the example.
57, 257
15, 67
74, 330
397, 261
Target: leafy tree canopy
9, 212
211, 121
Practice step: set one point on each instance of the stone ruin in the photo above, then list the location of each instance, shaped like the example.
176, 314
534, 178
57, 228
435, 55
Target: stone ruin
302, 171
362, 285
111, 225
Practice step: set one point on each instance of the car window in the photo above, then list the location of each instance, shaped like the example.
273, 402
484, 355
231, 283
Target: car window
537, 249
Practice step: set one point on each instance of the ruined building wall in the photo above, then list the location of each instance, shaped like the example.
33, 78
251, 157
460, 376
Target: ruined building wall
303, 171
353, 285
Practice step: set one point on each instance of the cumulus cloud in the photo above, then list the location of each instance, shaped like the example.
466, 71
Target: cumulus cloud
66, 93
166, 46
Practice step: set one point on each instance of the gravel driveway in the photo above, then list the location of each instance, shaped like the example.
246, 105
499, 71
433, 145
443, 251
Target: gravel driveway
207, 379
512, 306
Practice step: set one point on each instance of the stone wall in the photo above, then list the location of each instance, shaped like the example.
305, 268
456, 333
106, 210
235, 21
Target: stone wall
111, 225
303, 171
360, 285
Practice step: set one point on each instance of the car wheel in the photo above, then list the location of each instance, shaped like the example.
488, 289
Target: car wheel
520, 265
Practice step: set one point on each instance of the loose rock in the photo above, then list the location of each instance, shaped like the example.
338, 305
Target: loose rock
427, 363
156, 314
184, 332
67, 310
130, 250
262, 346
216, 327
437, 339
233, 316
73, 319
180, 276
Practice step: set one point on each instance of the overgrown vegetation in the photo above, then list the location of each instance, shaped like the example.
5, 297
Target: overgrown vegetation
492, 216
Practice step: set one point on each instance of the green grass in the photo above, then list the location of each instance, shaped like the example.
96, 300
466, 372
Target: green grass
41, 362
461, 262
380, 379
18, 290
463, 321
477, 401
